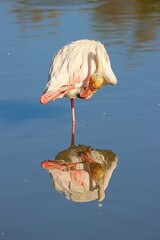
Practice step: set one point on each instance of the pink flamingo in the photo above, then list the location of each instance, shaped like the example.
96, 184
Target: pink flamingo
78, 70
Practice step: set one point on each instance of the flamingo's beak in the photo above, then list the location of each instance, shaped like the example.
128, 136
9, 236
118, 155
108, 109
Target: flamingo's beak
86, 94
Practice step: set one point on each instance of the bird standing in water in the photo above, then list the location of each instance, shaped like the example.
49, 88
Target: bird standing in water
78, 70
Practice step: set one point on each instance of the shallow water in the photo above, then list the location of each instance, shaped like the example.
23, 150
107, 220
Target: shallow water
124, 119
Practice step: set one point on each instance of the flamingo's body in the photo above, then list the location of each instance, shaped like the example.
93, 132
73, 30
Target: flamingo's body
79, 69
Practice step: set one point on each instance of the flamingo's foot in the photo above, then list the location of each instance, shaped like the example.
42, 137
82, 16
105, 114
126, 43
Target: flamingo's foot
51, 165
47, 97
52, 95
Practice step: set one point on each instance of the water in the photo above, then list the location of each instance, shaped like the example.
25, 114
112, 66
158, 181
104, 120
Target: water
124, 119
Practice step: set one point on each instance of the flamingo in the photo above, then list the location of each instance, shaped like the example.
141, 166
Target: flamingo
78, 70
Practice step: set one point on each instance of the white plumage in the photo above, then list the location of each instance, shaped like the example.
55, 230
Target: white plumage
79, 69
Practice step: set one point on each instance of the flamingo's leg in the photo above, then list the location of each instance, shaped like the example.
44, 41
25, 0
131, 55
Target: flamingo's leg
73, 121
73, 133
73, 110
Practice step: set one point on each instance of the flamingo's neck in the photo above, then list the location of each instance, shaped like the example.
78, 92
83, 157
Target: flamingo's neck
98, 59
97, 80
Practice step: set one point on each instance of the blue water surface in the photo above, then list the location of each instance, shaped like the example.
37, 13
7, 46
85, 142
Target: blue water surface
124, 118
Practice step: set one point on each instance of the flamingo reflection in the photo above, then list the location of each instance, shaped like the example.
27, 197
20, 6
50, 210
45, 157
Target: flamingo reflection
81, 172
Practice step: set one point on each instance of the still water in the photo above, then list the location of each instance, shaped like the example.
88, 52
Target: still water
119, 125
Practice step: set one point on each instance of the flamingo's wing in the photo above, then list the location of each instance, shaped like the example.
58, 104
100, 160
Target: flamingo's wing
68, 71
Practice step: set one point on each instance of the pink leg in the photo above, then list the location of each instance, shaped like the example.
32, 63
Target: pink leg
73, 110
73, 133
73, 121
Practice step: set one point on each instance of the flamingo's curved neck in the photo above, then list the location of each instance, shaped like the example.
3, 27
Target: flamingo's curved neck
97, 80
99, 60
